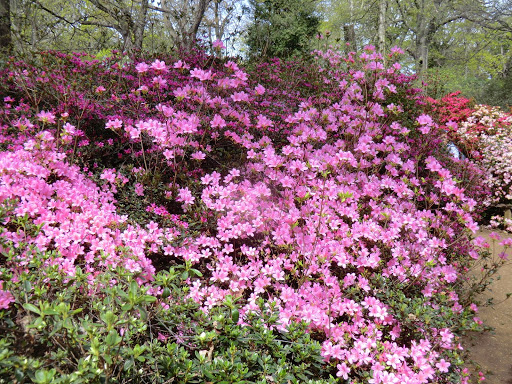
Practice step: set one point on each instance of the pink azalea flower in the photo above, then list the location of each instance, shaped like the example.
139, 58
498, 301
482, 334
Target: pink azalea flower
46, 117
198, 155
343, 371
201, 74
181, 65
425, 120
218, 122
259, 90
240, 96
185, 196
142, 67
443, 365
217, 44
139, 189
159, 65
6, 298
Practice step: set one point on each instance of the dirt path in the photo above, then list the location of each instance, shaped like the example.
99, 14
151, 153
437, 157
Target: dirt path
492, 351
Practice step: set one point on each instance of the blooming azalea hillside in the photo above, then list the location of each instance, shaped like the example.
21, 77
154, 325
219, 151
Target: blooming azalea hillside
184, 219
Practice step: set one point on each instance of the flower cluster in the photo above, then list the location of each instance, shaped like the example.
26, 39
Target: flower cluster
326, 192
485, 136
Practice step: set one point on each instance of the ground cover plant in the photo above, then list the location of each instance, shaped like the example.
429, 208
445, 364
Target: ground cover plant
181, 218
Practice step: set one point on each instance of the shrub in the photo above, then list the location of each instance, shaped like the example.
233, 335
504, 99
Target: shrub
108, 328
321, 195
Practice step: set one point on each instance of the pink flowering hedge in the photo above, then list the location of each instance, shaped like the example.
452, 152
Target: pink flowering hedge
323, 189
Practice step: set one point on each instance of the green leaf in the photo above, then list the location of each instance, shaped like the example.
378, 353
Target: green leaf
235, 315
50, 311
133, 288
40, 376
68, 324
108, 318
208, 374
31, 308
143, 313
149, 299
166, 293
107, 358
56, 328
128, 364
27, 286
113, 338
196, 272
78, 310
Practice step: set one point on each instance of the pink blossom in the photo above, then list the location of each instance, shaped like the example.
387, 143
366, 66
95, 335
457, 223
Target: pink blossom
218, 44
424, 120
139, 189
46, 117
143, 67
185, 196
259, 90
218, 122
200, 74
240, 96
5, 299
443, 365
159, 65
343, 370
198, 155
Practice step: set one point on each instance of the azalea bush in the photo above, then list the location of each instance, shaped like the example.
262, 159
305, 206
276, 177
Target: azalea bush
108, 328
483, 134
490, 129
320, 194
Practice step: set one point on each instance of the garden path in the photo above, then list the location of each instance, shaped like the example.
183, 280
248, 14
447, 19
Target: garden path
492, 351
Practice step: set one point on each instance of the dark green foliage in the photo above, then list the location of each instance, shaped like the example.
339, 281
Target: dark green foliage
282, 28
499, 92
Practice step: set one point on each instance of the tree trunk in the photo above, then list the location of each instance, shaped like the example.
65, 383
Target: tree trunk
422, 39
216, 20
350, 37
5, 28
383, 5
140, 25
198, 17
421, 53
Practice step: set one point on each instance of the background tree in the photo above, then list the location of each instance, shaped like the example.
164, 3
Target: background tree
424, 19
95, 25
453, 45
127, 18
182, 19
282, 28
383, 6
225, 20
5, 28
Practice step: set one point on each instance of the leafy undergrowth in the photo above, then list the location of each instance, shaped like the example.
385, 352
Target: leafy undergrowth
182, 220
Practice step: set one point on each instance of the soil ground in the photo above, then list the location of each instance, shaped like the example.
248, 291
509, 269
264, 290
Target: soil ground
492, 351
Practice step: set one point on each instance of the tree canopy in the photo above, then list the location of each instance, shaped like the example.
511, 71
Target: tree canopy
282, 28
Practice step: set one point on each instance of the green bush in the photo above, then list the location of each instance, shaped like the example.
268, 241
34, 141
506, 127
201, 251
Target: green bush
75, 329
